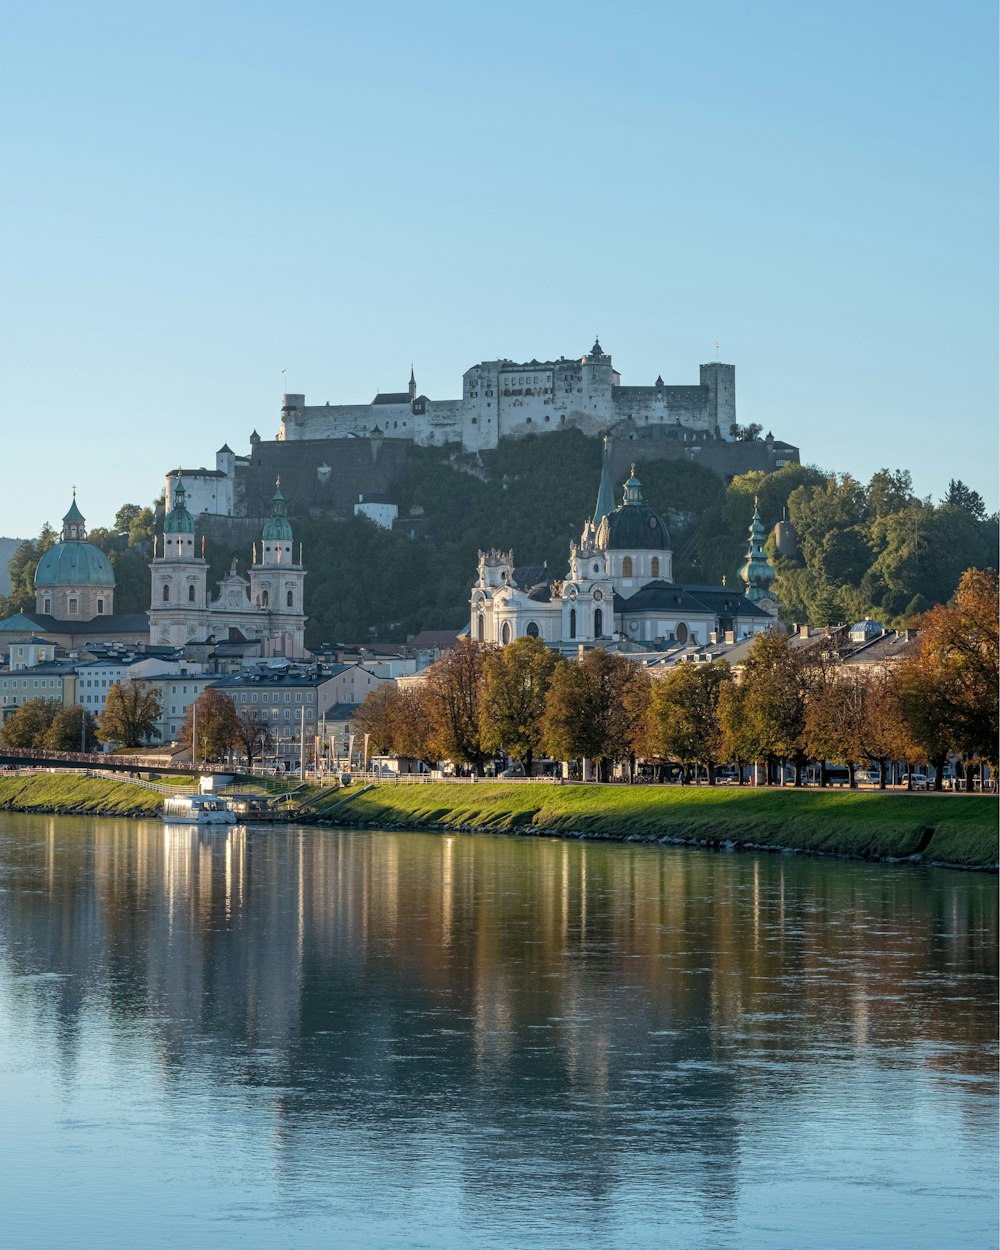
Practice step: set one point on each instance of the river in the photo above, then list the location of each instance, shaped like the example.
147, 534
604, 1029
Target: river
312, 1037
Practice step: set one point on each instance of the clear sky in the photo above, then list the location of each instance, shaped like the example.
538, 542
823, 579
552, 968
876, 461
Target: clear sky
198, 196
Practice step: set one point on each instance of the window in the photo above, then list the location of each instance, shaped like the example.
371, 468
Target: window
73, 607
654, 566
480, 628
190, 594
289, 600
100, 607
505, 633
598, 623
681, 632
47, 606
263, 599
532, 630
166, 593
627, 566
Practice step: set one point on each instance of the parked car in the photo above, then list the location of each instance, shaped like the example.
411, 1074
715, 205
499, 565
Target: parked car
916, 781
867, 776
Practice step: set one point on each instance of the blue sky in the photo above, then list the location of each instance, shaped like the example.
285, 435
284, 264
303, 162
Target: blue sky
199, 196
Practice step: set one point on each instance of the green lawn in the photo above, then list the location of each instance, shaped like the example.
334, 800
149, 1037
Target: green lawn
69, 792
836, 822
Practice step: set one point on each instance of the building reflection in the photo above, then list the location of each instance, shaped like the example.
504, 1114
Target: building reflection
644, 999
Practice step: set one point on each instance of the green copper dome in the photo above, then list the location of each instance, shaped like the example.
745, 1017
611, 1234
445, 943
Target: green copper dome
179, 520
73, 561
277, 527
74, 564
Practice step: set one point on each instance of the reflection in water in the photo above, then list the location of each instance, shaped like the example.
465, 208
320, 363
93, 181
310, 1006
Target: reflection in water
498, 1041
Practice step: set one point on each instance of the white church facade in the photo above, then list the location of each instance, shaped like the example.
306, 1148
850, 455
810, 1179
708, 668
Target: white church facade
266, 606
619, 586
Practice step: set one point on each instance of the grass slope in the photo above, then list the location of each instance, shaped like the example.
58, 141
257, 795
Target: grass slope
845, 823
80, 795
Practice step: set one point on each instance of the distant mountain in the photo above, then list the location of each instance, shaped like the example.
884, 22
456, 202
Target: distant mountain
7, 548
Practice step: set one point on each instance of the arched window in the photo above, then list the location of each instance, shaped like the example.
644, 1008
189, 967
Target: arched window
572, 622
681, 632
480, 628
166, 593
627, 566
289, 600
532, 630
654, 566
190, 594
264, 599
504, 633
598, 623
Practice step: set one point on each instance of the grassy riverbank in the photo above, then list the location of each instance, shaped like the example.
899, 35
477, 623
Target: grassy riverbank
833, 822
81, 796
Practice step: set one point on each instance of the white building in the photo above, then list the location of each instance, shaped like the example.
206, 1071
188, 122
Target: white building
619, 586
267, 607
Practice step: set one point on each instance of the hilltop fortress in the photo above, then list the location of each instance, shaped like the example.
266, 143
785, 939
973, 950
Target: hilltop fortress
337, 459
505, 399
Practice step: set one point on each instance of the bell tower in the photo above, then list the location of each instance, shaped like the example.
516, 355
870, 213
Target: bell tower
277, 582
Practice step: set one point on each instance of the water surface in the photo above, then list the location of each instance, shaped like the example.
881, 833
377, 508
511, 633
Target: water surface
298, 1037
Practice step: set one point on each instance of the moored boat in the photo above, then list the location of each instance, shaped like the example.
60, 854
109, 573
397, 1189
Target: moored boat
197, 809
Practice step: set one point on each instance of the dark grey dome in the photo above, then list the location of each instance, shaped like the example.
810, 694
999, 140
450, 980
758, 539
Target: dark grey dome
634, 525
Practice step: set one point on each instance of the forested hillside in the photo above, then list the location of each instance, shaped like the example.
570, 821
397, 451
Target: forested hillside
864, 549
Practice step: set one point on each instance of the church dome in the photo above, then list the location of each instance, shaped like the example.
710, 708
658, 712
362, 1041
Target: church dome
73, 561
634, 525
74, 564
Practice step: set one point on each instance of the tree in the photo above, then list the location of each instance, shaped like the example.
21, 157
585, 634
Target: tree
124, 517
131, 714
71, 729
30, 723
592, 709
252, 733
512, 708
216, 725
452, 696
21, 571
378, 716
140, 530
775, 679
685, 714
949, 685
961, 496
739, 742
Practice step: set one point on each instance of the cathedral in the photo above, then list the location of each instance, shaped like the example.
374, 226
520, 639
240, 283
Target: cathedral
267, 607
619, 587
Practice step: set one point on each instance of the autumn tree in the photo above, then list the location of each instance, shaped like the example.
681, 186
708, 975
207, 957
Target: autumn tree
593, 707
214, 715
30, 723
738, 741
131, 714
685, 715
451, 703
251, 733
775, 678
72, 729
949, 683
516, 682
379, 717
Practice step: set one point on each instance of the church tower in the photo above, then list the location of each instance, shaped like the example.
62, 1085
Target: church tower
179, 601
277, 583
756, 571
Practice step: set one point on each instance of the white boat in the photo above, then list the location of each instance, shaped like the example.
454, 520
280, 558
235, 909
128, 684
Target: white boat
197, 809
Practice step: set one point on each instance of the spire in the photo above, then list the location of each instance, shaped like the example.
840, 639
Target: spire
606, 490
756, 571
179, 520
413, 384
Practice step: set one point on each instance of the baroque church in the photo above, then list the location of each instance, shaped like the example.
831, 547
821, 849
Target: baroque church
619, 587
266, 607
